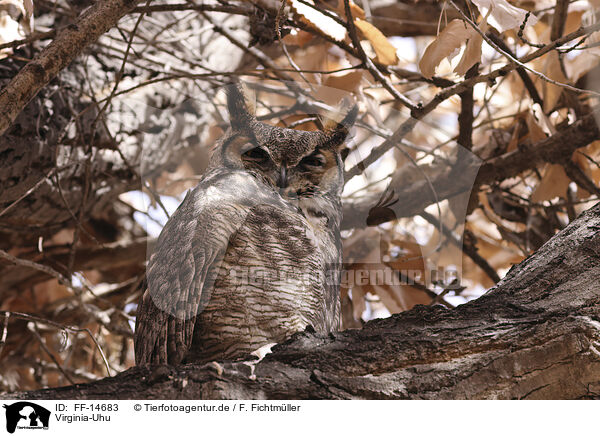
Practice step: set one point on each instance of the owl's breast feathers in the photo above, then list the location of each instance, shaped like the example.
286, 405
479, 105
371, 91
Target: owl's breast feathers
236, 267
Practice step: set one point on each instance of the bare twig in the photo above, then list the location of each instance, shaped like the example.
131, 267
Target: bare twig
517, 61
502, 71
560, 18
45, 269
465, 116
35, 319
29, 191
37, 36
32, 326
369, 64
284, 46
468, 249
383, 148
240, 9
69, 42
578, 176
527, 82
415, 198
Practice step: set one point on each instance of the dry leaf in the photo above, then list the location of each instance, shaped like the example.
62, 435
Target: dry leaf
489, 212
174, 183
582, 64
27, 20
573, 21
448, 41
554, 71
502, 15
584, 165
397, 299
346, 82
471, 56
554, 183
410, 257
298, 37
363, 246
385, 51
318, 20
514, 139
536, 133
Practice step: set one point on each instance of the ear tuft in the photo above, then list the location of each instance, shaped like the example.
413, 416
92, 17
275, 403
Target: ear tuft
240, 116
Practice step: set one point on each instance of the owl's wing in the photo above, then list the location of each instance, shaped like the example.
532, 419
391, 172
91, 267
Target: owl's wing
185, 264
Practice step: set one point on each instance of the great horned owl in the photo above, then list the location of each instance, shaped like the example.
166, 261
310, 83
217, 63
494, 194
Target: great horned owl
253, 254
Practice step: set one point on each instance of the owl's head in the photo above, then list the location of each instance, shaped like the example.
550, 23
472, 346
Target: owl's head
298, 164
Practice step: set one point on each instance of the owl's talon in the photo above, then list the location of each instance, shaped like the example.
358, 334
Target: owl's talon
262, 351
217, 367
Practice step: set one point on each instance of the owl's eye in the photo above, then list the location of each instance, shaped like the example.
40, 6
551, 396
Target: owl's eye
257, 155
314, 160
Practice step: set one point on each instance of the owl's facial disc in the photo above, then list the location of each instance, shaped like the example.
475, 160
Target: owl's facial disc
314, 174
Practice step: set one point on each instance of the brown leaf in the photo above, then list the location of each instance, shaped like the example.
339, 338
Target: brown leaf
446, 43
397, 299
299, 38
582, 64
471, 56
385, 51
503, 15
553, 71
409, 259
317, 20
536, 133
554, 183
514, 139
589, 168
347, 82
359, 304
573, 21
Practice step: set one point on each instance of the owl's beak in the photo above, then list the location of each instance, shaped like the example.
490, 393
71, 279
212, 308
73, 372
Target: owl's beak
282, 181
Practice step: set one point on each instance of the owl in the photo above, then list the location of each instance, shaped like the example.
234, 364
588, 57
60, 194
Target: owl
253, 253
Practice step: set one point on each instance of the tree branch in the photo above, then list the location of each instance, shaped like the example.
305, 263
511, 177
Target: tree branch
69, 42
534, 335
411, 200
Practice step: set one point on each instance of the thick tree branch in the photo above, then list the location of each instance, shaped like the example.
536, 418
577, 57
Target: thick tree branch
413, 199
554, 149
69, 42
534, 335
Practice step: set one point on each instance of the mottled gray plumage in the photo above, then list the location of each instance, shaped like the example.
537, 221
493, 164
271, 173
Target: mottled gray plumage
253, 253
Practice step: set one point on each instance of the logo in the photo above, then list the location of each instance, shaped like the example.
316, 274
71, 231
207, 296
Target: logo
26, 415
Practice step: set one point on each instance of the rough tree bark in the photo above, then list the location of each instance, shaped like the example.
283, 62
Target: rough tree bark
535, 335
